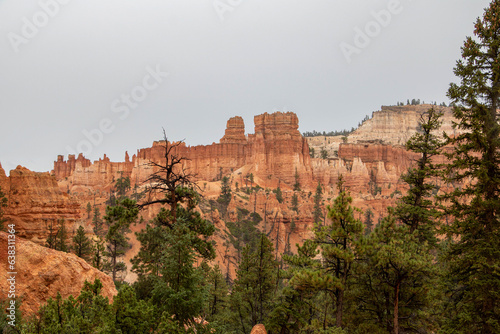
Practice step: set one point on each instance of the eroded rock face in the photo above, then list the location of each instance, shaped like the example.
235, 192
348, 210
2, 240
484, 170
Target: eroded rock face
35, 201
235, 131
395, 125
43, 272
277, 149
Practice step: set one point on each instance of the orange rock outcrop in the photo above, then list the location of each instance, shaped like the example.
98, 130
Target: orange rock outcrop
275, 153
35, 201
259, 329
43, 272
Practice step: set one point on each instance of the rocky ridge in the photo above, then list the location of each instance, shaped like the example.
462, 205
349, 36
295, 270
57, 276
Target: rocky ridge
43, 272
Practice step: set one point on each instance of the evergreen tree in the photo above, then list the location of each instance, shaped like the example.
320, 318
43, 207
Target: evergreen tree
98, 224
89, 210
317, 213
295, 203
368, 221
398, 265
255, 285
393, 281
180, 291
225, 195
337, 243
324, 153
296, 185
416, 209
474, 255
122, 185
279, 195
82, 246
299, 303
57, 237
243, 232
118, 218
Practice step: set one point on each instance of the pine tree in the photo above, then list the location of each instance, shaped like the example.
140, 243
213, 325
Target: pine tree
368, 221
254, 287
393, 280
82, 246
398, 254
416, 209
279, 195
337, 243
474, 255
317, 213
98, 224
296, 185
118, 218
122, 185
89, 210
295, 203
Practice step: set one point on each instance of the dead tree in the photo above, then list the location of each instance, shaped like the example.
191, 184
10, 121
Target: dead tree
170, 181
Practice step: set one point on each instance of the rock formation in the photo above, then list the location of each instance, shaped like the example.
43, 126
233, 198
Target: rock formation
235, 132
275, 152
35, 201
395, 125
43, 272
259, 329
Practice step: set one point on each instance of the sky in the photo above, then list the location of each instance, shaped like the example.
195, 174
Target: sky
104, 77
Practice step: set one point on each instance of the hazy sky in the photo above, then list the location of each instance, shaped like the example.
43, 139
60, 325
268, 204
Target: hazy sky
91, 75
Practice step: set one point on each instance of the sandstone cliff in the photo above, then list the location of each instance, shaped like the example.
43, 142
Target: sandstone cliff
43, 272
395, 125
35, 201
275, 152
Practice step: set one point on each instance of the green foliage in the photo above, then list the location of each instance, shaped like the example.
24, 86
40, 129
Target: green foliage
279, 195
311, 151
225, 195
243, 232
88, 209
97, 223
118, 218
57, 238
317, 213
122, 185
393, 280
473, 255
296, 185
180, 290
254, 288
324, 153
368, 221
82, 246
11, 318
416, 209
295, 203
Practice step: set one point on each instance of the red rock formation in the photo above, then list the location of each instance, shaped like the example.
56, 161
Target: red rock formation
4, 181
35, 200
43, 272
259, 329
274, 153
235, 132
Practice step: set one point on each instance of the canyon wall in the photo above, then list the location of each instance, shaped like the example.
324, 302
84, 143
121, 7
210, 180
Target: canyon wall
395, 125
274, 153
35, 201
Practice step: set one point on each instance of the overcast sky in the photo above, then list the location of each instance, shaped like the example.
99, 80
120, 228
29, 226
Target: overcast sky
91, 75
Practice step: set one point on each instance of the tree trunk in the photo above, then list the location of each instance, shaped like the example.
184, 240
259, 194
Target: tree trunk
340, 307
396, 307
